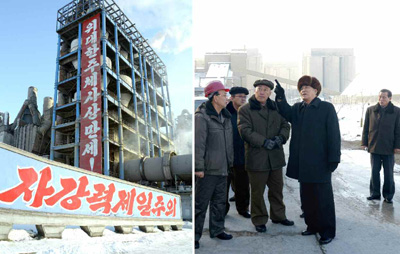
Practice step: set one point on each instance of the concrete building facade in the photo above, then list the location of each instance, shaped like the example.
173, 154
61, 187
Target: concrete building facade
239, 62
334, 67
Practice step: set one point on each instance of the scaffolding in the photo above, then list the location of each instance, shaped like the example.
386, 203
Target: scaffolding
136, 109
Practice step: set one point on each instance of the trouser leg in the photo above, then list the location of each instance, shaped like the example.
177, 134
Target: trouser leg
301, 203
326, 210
228, 184
217, 207
203, 191
275, 195
310, 203
242, 189
375, 183
388, 184
259, 213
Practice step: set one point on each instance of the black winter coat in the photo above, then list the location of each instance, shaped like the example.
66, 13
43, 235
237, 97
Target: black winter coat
381, 131
238, 143
315, 140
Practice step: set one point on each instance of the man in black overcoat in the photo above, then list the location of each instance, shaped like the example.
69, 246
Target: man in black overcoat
314, 154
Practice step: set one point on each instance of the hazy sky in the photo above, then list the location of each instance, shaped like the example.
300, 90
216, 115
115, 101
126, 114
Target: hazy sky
28, 47
283, 30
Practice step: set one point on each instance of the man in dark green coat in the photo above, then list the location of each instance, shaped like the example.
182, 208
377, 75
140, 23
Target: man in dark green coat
264, 131
381, 137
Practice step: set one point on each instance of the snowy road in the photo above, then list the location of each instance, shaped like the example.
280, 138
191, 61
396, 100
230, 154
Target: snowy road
362, 226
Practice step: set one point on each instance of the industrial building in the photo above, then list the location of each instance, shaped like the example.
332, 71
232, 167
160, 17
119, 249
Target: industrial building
333, 67
134, 119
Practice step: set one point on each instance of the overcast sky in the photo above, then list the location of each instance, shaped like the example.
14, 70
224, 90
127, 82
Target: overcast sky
283, 30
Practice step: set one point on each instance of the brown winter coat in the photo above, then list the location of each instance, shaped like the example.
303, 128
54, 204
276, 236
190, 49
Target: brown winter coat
257, 123
381, 133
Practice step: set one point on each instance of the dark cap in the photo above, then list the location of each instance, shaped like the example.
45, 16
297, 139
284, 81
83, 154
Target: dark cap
264, 82
238, 89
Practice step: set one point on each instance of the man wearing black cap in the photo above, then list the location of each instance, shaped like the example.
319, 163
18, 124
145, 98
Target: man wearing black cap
264, 131
314, 154
241, 179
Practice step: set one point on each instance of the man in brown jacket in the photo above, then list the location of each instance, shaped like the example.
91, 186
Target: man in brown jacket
264, 131
381, 137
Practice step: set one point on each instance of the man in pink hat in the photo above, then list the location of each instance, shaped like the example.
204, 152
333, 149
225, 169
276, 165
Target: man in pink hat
213, 158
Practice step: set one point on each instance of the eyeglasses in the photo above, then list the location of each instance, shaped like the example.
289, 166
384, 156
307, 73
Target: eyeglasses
223, 95
241, 96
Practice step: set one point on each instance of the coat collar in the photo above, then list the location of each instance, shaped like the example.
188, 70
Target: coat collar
231, 108
256, 105
315, 102
210, 110
389, 107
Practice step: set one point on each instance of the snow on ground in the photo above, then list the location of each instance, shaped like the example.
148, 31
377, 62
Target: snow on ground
75, 240
366, 84
350, 120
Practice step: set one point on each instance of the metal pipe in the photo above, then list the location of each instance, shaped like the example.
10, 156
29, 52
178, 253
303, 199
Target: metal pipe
134, 96
155, 106
78, 99
106, 144
148, 107
159, 168
144, 105
120, 131
53, 125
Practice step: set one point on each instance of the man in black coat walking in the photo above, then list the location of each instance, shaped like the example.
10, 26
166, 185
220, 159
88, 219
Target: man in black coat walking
314, 154
381, 137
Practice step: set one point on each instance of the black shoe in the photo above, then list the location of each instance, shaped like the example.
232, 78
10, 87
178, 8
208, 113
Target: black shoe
224, 236
389, 201
302, 215
285, 222
245, 214
196, 244
374, 198
232, 199
324, 240
306, 232
261, 228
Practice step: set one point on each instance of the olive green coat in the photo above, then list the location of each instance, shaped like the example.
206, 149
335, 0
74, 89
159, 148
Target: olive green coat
257, 123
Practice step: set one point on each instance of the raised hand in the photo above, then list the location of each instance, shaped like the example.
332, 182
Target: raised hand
279, 91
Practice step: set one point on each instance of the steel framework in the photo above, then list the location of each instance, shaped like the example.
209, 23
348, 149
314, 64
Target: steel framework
136, 110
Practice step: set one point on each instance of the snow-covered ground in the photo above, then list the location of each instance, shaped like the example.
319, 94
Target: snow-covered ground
350, 120
75, 240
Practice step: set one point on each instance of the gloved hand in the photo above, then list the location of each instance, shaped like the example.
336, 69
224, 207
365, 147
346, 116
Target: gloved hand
278, 141
333, 166
279, 91
269, 144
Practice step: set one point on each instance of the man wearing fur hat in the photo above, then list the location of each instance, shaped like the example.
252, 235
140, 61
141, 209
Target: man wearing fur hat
314, 154
381, 137
213, 158
241, 179
264, 131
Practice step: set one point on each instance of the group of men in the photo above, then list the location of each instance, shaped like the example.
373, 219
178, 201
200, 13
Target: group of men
245, 140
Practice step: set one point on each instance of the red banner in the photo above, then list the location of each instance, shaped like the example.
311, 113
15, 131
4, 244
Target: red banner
90, 136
